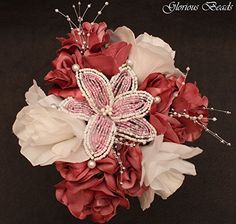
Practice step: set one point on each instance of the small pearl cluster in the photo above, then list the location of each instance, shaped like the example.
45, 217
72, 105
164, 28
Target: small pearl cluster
106, 111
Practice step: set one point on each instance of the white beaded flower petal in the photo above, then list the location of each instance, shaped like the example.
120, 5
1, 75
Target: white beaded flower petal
123, 82
96, 88
137, 130
131, 105
99, 136
78, 109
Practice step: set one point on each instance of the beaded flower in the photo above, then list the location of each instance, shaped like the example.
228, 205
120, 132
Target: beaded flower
114, 110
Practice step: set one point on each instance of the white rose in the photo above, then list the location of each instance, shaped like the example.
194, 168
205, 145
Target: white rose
149, 54
163, 166
47, 135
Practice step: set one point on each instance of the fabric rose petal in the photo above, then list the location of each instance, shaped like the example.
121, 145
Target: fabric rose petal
118, 109
45, 134
163, 168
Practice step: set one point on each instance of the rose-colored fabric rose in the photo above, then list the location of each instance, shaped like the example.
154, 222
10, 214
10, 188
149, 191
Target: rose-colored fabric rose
163, 86
63, 77
189, 99
132, 161
97, 38
80, 172
93, 198
109, 59
174, 129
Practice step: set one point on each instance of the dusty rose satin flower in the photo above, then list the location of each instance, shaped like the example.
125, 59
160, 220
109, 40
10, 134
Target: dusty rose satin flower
80, 172
98, 37
94, 198
132, 161
159, 85
131, 158
164, 87
174, 129
189, 100
109, 59
62, 76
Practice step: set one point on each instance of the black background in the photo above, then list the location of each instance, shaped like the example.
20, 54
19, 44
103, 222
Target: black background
204, 41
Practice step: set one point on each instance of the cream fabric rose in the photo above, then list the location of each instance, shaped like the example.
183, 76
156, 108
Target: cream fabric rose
149, 54
47, 135
163, 166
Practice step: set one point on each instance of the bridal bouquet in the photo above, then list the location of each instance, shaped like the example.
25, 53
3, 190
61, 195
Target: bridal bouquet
115, 120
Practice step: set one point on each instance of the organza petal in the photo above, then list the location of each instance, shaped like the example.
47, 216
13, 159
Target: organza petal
96, 88
99, 136
79, 109
131, 105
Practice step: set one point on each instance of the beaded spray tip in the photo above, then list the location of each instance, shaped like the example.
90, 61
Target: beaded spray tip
200, 120
80, 16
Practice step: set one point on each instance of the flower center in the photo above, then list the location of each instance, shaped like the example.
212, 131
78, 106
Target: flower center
106, 111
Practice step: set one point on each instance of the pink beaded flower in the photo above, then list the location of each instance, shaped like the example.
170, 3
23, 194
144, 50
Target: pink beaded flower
114, 110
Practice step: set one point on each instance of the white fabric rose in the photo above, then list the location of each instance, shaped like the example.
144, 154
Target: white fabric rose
149, 54
163, 166
47, 135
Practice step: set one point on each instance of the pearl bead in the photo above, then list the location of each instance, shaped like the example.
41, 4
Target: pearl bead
75, 67
91, 164
157, 99
54, 106
129, 63
106, 3
176, 94
200, 117
99, 12
214, 119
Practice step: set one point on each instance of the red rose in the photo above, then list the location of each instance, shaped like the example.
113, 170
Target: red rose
98, 37
94, 199
132, 161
